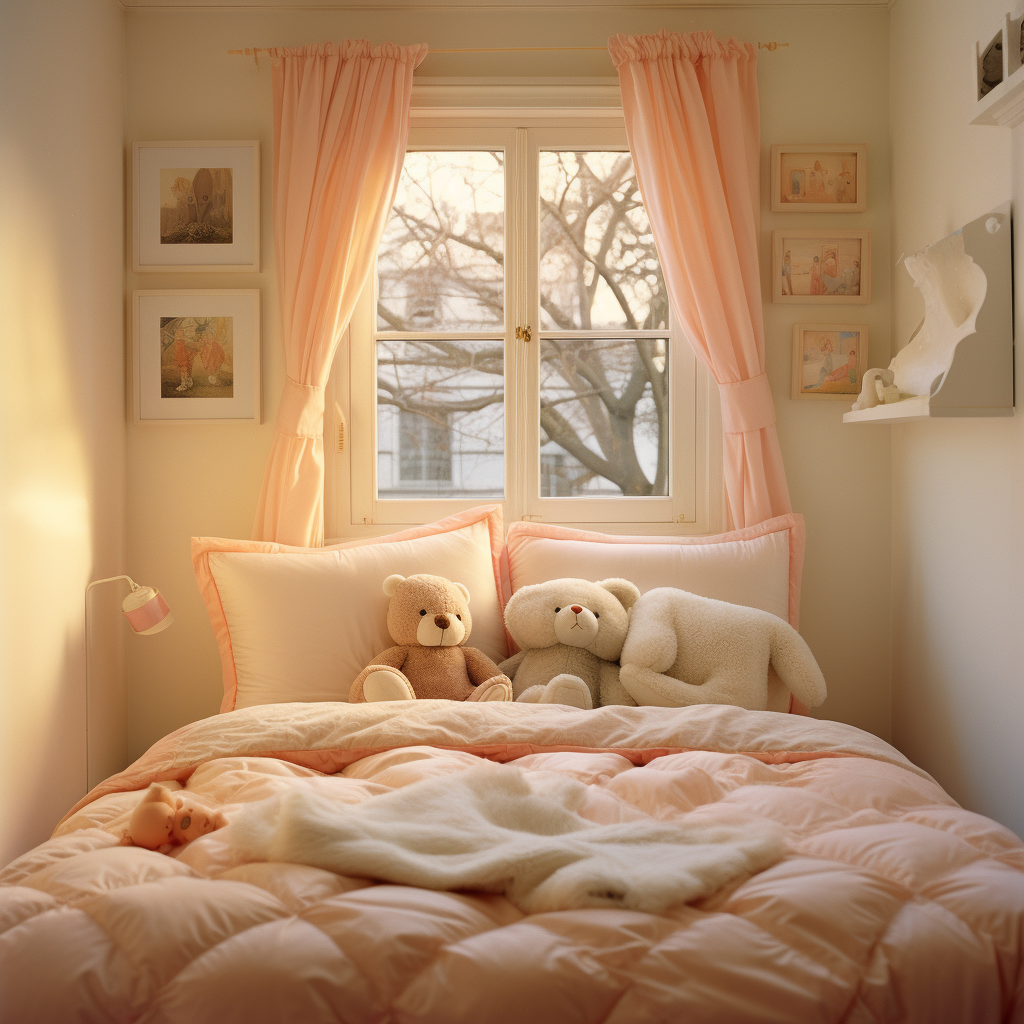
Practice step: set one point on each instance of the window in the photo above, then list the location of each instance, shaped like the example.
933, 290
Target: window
517, 343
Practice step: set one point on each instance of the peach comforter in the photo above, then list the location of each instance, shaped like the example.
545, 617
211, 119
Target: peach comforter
891, 903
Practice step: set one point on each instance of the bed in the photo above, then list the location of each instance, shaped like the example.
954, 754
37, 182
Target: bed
885, 900
890, 904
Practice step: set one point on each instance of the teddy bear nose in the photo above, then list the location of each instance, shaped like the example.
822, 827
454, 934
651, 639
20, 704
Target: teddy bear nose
577, 609
442, 621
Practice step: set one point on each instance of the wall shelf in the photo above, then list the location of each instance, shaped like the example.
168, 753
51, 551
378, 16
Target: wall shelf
917, 408
978, 380
1004, 105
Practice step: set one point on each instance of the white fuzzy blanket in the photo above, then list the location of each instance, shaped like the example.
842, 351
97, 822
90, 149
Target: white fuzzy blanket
487, 829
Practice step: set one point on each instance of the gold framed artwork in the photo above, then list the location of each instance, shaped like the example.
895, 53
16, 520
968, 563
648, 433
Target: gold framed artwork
196, 355
196, 206
819, 177
829, 360
830, 266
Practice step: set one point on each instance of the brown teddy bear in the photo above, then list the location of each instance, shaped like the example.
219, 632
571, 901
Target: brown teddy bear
429, 620
569, 633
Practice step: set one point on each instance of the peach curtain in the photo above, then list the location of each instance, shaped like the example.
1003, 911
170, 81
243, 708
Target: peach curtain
693, 124
341, 123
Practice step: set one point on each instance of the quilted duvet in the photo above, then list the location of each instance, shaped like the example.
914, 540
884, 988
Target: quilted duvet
891, 903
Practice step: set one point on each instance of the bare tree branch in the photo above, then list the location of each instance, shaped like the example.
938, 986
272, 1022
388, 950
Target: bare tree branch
432, 409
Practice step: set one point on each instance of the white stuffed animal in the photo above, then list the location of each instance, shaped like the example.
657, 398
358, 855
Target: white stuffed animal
684, 649
569, 632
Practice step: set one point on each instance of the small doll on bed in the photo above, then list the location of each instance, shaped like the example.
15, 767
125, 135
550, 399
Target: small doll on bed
163, 819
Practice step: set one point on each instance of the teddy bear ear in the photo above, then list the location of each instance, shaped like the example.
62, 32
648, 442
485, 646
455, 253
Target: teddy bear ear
391, 584
464, 589
157, 794
626, 592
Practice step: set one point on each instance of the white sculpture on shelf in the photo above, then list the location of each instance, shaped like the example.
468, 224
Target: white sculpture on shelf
954, 289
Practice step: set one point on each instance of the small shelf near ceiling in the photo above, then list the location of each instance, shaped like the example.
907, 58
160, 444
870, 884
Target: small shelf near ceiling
999, 75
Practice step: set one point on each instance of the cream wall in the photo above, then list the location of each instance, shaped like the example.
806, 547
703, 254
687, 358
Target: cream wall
829, 85
62, 434
958, 485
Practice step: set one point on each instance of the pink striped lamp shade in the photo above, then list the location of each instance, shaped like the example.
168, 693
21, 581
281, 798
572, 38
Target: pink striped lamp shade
146, 610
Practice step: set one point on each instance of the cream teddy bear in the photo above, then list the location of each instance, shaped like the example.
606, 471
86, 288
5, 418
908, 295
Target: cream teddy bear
429, 620
685, 649
569, 633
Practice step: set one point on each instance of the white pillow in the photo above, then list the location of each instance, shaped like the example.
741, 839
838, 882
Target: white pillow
758, 566
299, 624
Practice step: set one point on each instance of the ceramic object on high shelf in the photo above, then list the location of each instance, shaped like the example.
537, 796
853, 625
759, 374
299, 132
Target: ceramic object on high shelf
999, 75
959, 361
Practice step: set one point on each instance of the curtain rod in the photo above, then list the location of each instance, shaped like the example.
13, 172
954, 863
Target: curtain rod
255, 51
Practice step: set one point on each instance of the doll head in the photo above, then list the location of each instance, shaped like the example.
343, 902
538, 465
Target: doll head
191, 821
152, 822
163, 818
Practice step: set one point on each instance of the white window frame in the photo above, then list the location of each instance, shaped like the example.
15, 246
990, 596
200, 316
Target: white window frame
351, 506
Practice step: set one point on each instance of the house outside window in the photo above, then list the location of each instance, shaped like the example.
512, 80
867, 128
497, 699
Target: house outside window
424, 450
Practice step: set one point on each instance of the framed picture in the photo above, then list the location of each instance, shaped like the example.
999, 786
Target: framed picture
821, 265
196, 206
820, 177
196, 356
829, 360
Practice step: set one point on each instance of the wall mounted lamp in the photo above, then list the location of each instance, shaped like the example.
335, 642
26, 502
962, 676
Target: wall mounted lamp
147, 613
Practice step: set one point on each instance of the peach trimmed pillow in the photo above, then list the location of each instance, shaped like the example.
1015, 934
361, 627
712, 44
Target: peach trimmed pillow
759, 566
299, 624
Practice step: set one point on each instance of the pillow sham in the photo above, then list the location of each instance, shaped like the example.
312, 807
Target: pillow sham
758, 566
299, 624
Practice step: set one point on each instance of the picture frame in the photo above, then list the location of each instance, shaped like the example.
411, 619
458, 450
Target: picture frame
819, 177
196, 206
821, 352
196, 356
815, 266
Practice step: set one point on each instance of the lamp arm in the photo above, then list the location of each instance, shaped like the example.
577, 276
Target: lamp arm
110, 579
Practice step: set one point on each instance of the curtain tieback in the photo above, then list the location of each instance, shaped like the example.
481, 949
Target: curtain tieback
301, 413
746, 405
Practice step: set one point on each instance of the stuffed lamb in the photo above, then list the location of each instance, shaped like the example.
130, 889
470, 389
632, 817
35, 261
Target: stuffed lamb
684, 649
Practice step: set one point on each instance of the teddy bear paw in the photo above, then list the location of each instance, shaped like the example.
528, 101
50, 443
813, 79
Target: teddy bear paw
495, 688
531, 695
568, 689
384, 684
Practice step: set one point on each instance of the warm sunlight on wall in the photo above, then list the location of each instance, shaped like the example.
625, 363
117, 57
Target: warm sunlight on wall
62, 411
44, 507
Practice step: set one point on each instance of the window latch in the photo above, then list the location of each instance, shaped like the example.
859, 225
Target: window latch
524, 334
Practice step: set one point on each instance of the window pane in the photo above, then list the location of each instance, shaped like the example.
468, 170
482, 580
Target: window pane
441, 263
604, 418
424, 447
440, 419
598, 265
